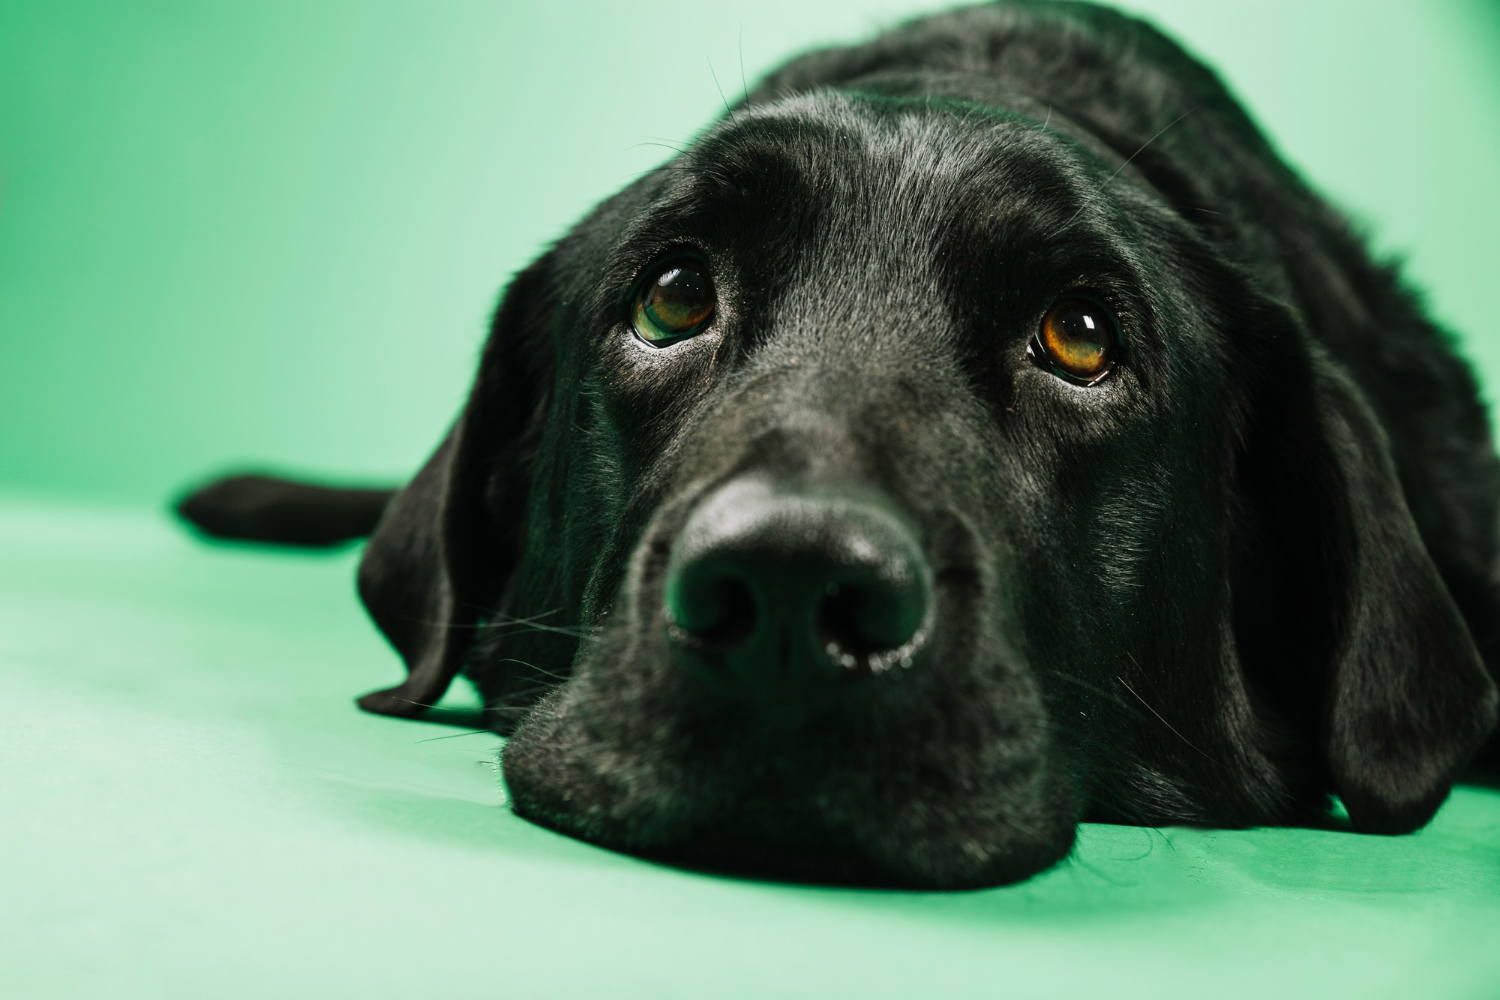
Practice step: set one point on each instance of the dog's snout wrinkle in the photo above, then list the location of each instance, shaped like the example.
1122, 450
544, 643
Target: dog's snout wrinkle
776, 594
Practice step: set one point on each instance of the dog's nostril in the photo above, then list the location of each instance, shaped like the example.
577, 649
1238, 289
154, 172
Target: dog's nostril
957, 577
711, 609
871, 626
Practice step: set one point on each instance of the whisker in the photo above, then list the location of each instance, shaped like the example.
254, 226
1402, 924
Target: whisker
459, 736
1100, 189
1095, 689
727, 109
1164, 721
662, 145
502, 620
744, 87
541, 670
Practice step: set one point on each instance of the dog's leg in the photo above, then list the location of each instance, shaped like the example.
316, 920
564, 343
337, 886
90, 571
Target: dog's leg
267, 509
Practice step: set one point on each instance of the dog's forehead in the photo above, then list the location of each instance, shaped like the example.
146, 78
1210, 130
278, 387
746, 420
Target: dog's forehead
902, 166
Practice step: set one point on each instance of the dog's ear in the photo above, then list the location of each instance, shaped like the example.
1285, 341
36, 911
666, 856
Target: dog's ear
1409, 698
1358, 632
448, 544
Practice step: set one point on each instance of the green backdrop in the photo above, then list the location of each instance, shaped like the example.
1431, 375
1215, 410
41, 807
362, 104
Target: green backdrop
271, 232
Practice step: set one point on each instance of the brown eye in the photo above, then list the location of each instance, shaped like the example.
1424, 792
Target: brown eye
678, 302
1077, 340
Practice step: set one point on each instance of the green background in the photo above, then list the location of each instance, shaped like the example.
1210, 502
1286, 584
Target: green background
271, 232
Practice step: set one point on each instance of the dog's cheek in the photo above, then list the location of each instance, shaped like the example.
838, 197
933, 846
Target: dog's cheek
612, 755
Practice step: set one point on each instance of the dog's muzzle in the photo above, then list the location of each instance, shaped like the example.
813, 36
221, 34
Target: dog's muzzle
778, 595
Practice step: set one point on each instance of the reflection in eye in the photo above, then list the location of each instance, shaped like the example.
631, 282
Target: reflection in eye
1078, 340
675, 304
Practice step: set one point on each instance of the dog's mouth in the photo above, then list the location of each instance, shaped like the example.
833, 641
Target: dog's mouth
787, 689
845, 798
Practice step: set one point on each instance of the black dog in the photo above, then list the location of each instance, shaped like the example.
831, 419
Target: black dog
976, 431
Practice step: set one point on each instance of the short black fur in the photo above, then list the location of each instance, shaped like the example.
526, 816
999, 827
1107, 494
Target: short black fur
1245, 572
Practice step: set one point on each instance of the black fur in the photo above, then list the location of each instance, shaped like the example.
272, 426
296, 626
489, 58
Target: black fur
1245, 572
270, 509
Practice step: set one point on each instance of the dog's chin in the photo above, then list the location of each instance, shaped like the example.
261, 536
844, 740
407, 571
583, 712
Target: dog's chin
934, 847
963, 791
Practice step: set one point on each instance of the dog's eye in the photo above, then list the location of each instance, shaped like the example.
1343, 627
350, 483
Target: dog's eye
678, 302
1076, 341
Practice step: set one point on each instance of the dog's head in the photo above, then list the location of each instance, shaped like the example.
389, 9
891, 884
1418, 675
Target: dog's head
885, 485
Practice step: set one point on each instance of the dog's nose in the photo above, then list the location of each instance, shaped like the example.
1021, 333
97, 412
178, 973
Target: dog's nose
771, 592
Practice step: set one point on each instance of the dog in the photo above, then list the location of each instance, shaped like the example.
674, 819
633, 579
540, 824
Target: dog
974, 432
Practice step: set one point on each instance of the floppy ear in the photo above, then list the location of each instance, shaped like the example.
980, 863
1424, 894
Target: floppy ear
1410, 700
449, 542
1400, 697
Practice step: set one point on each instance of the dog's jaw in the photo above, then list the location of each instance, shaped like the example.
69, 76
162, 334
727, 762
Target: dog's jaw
943, 774
944, 778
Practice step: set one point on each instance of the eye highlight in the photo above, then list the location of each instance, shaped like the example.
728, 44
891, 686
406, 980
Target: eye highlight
676, 303
1078, 340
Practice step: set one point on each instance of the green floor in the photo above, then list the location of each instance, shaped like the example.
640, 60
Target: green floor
192, 807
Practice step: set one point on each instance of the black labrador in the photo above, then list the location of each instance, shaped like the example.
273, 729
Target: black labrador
976, 431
